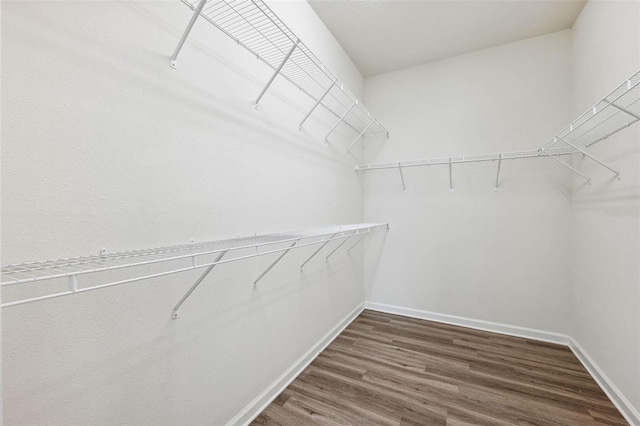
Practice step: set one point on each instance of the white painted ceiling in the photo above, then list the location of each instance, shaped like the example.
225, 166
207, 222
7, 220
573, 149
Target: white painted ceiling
386, 35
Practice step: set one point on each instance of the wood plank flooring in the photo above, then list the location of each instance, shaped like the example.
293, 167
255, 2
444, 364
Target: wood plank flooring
391, 370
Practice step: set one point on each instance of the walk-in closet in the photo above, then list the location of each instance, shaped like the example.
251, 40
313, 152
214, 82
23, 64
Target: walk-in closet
320, 212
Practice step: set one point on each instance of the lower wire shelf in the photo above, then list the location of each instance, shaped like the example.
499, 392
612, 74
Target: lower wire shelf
200, 255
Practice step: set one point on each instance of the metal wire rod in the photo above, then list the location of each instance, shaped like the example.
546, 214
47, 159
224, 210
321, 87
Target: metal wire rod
611, 133
586, 154
326, 138
187, 30
174, 314
339, 245
317, 251
498, 173
317, 103
359, 136
277, 71
450, 176
356, 243
255, 282
404, 187
568, 166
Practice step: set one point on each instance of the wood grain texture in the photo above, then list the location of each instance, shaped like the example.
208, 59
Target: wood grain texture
386, 369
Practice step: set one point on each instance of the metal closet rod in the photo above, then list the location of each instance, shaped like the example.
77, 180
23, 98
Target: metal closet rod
253, 25
96, 264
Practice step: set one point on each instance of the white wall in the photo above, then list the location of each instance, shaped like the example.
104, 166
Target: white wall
104, 145
605, 243
494, 256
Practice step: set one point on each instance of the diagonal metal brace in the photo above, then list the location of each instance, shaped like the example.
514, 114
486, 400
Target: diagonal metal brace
255, 282
404, 187
277, 71
317, 103
586, 154
495, 188
357, 242
340, 245
318, 251
567, 166
340, 120
187, 30
195, 285
359, 136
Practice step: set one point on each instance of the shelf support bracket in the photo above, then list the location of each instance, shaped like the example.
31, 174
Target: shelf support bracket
357, 242
450, 176
317, 251
588, 179
404, 187
187, 30
277, 71
326, 138
498, 173
317, 103
359, 136
586, 154
339, 245
174, 315
255, 282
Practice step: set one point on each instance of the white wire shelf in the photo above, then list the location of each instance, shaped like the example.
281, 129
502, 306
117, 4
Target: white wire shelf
615, 112
253, 25
168, 259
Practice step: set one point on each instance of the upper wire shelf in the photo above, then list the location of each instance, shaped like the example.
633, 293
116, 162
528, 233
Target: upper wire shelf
615, 112
253, 25
173, 259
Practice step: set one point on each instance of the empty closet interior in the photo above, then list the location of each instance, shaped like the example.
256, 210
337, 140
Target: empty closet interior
199, 196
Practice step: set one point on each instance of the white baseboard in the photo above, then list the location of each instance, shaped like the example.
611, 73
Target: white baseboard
511, 330
261, 402
617, 398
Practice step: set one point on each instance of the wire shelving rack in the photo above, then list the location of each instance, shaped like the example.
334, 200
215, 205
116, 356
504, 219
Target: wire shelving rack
254, 26
175, 259
615, 112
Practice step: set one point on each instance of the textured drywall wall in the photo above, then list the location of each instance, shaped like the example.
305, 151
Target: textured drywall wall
490, 255
105, 145
605, 236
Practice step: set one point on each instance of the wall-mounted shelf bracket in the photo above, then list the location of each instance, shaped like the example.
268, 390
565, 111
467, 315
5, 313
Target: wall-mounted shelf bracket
283, 254
277, 71
174, 315
317, 251
498, 173
356, 243
359, 136
194, 17
340, 120
545, 152
404, 187
339, 245
318, 102
450, 176
586, 154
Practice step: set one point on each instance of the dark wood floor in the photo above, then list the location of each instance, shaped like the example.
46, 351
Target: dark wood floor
391, 370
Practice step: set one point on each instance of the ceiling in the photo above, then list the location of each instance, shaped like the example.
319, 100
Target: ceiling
386, 35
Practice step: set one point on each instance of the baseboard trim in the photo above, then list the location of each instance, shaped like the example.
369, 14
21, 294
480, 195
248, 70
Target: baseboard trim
255, 407
511, 330
617, 398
